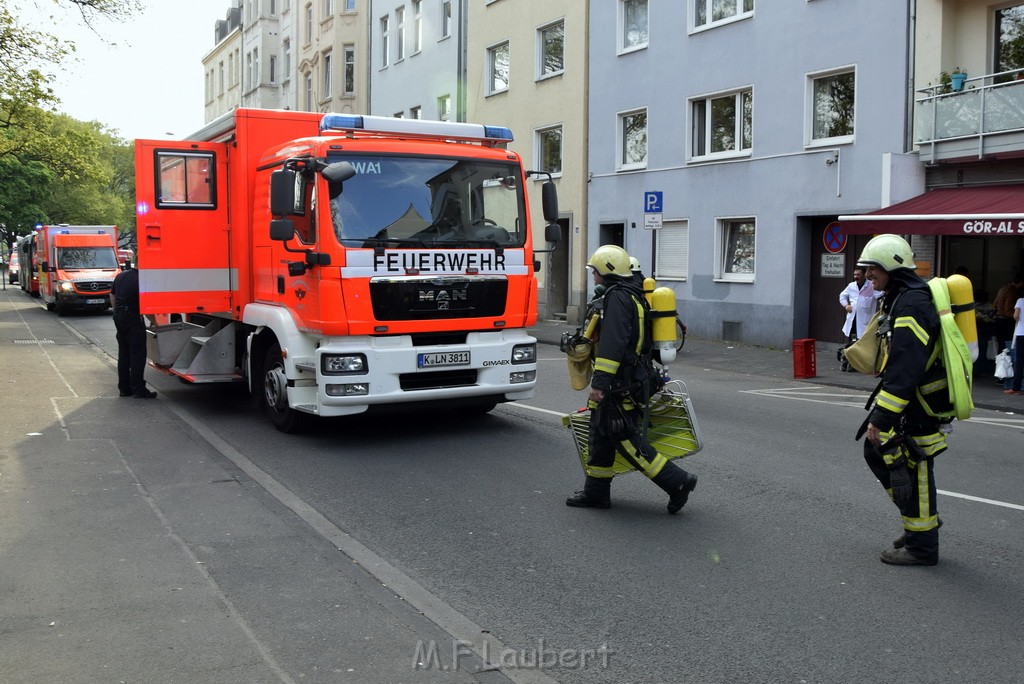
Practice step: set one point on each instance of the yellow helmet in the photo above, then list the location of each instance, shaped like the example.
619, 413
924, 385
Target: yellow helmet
888, 251
610, 260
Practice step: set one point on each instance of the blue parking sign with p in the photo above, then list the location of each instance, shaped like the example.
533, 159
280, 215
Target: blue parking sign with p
653, 202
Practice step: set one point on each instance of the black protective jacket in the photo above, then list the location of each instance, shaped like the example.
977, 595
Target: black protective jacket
913, 333
622, 336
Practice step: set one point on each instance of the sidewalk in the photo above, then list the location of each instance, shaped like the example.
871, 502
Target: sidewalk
131, 551
778, 364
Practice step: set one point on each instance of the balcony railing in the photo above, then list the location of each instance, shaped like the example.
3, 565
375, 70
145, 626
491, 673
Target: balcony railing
979, 119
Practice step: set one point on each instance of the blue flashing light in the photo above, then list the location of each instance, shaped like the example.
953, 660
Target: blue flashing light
498, 132
340, 121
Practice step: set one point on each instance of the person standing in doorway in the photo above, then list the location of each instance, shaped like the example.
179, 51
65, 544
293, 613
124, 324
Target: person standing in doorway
131, 335
860, 301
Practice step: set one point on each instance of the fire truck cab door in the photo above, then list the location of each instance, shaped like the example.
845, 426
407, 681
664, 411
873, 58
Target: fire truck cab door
182, 227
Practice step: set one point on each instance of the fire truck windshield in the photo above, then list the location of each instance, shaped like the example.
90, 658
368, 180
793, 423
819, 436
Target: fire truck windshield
400, 201
71, 258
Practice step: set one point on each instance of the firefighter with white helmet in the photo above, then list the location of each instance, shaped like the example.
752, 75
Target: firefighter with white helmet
902, 438
621, 342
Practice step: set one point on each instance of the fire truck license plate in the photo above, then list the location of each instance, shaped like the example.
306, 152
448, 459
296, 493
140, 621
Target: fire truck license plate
443, 359
95, 301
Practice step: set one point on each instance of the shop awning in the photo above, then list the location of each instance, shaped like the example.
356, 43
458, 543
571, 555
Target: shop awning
993, 210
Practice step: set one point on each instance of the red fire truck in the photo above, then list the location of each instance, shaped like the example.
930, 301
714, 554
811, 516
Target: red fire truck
339, 263
76, 266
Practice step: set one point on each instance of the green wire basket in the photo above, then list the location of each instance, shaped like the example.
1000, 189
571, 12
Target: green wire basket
672, 429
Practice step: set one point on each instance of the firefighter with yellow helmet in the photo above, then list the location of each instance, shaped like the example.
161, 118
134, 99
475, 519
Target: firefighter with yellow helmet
614, 420
902, 438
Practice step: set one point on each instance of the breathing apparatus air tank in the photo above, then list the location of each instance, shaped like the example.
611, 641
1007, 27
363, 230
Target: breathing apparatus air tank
663, 314
961, 299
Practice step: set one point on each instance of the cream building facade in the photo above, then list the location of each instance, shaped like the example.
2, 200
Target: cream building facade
527, 69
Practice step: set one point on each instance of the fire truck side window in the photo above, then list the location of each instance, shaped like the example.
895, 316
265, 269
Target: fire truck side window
185, 180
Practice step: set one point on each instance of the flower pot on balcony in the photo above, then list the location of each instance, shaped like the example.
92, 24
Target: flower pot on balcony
956, 81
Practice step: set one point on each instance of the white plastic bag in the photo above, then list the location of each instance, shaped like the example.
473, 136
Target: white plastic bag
993, 348
1004, 365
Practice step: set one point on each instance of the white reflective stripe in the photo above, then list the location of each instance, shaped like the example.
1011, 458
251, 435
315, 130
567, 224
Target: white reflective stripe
187, 279
365, 263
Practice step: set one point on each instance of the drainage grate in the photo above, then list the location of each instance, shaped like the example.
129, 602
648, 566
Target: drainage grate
34, 342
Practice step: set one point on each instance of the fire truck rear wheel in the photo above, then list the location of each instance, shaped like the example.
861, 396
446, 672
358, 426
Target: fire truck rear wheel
275, 394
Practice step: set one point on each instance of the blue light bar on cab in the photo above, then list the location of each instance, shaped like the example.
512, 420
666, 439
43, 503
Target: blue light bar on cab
333, 122
438, 129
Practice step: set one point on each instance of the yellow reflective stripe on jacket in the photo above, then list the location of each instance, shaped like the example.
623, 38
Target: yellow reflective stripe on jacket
604, 365
890, 402
911, 324
930, 444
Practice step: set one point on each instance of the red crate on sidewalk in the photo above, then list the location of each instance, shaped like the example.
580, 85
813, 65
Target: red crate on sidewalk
804, 362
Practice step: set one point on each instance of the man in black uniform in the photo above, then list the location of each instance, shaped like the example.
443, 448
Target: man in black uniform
131, 335
902, 438
614, 417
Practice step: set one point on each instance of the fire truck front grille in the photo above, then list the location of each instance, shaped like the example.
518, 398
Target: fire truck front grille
437, 379
417, 299
93, 286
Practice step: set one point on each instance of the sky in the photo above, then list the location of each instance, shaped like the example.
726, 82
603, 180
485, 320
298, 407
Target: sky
149, 82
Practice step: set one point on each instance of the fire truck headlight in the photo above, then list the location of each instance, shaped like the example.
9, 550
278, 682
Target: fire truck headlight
524, 353
354, 390
343, 364
521, 377
66, 286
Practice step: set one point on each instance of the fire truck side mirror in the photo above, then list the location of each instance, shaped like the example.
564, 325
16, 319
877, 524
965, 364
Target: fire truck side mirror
552, 232
336, 174
282, 229
549, 200
282, 192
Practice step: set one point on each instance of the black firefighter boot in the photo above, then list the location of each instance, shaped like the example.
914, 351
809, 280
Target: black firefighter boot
596, 493
677, 483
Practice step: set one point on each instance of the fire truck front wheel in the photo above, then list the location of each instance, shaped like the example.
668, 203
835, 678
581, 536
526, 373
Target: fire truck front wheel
275, 394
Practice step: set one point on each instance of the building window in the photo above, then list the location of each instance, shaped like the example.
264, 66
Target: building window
673, 251
220, 78
399, 115
549, 149
328, 8
416, 112
711, 12
832, 111
385, 41
248, 71
497, 69
256, 68
632, 140
736, 244
350, 5
273, 69
309, 24
273, 7
551, 50
400, 38
309, 93
417, 25
446, 18
722, 125
632, 25
286, 54
444, 107
328, 74
350, 69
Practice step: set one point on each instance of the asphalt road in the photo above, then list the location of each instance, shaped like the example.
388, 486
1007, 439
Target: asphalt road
770, 574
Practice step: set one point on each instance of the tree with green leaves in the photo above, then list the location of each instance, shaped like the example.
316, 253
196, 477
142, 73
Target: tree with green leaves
55, 169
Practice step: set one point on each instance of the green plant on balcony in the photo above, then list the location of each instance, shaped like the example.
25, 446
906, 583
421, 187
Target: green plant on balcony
945, 84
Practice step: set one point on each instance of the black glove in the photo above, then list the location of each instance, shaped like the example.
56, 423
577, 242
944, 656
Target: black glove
899, 480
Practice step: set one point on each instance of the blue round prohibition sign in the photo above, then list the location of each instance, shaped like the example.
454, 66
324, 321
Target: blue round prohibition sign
834, 238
